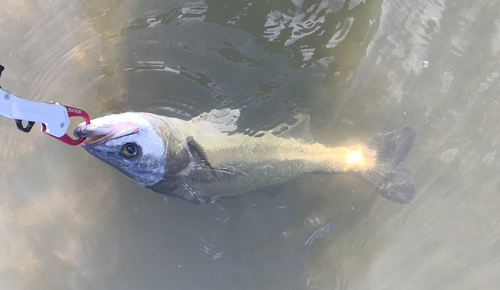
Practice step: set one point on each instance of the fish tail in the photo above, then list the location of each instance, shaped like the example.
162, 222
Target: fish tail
389, 176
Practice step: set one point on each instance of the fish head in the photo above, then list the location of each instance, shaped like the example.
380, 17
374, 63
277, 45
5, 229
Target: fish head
130, 142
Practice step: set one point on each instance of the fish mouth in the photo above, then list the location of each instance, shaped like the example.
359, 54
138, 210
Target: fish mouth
97, 134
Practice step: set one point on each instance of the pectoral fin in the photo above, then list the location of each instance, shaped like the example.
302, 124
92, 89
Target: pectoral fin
198, 156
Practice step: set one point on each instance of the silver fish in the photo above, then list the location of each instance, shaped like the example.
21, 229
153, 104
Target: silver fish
204, 159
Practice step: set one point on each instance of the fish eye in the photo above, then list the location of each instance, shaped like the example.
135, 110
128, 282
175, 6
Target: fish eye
129, 150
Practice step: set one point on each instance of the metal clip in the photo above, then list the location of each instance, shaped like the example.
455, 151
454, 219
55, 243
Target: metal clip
53, 117
72, 112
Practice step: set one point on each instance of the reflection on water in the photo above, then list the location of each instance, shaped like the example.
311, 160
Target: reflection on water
68, 221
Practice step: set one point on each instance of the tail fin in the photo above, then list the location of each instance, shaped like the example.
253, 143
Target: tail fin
388, 175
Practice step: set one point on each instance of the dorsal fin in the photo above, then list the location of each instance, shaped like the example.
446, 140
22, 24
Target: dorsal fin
299, 130
198, 156
218, 121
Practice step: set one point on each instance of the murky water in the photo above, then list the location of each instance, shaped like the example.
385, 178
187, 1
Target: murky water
69, 221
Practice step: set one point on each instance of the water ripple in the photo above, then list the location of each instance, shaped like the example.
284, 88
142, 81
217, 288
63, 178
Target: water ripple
308, 245
341, 34
207, 250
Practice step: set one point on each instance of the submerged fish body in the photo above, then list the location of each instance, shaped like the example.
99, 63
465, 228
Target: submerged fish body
204, 159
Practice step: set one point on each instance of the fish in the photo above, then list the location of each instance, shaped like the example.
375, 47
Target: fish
204, 159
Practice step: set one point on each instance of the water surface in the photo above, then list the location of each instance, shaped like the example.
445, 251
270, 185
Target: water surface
69, 221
